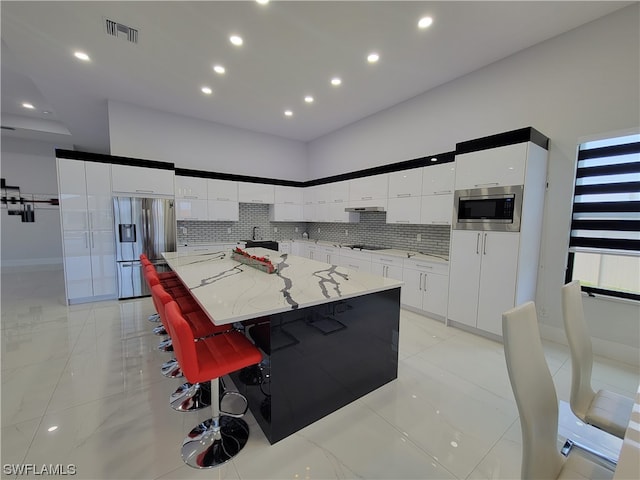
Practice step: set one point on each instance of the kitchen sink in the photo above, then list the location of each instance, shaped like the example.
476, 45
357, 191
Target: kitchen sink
268, 244
364, 247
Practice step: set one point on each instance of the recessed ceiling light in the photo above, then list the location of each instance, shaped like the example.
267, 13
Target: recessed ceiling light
52, 429
373, 57
262, 2
219, 69
424, 22
81, 56
434, 159
46, 112
236, 40
288, 113
335, 81
206, 90
28, 105
308, 99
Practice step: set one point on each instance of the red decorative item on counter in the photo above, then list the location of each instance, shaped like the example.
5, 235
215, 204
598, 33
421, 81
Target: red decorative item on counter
261, 263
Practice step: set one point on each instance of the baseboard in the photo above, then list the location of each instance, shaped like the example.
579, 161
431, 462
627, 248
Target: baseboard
32, 264
604, 348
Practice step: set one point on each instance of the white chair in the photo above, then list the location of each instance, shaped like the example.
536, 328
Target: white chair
537, 403
605, 410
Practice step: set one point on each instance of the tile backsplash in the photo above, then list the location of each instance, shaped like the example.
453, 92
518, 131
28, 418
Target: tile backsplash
371, 230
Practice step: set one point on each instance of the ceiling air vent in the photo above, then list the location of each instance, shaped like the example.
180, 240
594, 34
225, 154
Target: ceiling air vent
119, 30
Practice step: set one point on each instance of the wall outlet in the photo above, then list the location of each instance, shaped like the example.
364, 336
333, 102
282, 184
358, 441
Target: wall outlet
346, 233
275, 229
296, 230
318, 229
419, 237
184, 230
229, 230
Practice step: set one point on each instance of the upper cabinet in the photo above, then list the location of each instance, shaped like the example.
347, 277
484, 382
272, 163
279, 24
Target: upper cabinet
222, 190
494, 167
141, 180
369, 191
256, 193
405, 183
438, 179
191, 187
288, 195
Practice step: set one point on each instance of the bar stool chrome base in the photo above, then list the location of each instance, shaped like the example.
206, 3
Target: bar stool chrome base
166, 345
191, 397
154, 317
171, 369
211, 444
159, 330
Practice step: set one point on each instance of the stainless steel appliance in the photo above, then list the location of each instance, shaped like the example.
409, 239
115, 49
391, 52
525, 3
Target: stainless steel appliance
142, 225
492, 208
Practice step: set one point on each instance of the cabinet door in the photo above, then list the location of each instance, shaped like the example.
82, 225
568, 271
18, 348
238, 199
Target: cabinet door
222, 190
412, 293
99, 202
497, 279
281, 212
438, 179
404, 210
436, 209
255, 193
406, 183
386, 270
309, 213
77, 264
464, 276
191, 187
191, 209
335, 213
336, 192
436, 293
141, 180
357, 264
103, 262
71, 176
328, 255
492, 167
73, 210
368, 188
221, 211
288, 195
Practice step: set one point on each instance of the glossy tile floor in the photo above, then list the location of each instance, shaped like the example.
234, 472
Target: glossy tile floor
81, 385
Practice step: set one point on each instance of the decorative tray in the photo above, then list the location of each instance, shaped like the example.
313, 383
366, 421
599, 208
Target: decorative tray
261, 263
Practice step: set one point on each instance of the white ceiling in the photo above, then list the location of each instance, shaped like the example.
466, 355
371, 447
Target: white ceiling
290, 49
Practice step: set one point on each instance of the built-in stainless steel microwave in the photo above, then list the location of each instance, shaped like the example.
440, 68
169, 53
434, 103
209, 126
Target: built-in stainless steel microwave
492, 208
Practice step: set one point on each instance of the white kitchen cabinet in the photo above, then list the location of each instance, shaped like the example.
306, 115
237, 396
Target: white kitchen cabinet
285, 212
223, 211
483, 277
191, 209
436, 209
405, 183
426, 287
206, 249
502, 166
222, 190
354, 260
88, 241
285, 247
404, 210
288, 195
335, 213
295, 248
191, 187
335, 192
309, 195
387, 266
141, 181
369, 191
309, 213
327, 254
256, 193
438, 179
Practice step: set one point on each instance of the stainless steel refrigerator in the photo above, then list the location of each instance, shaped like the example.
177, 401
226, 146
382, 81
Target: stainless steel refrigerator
142, 225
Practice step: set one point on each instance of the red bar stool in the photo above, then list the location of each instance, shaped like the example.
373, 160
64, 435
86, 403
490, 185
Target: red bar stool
218, 439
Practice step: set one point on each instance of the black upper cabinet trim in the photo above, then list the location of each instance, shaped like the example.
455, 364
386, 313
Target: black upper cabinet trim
102, 158
527, 134
185, 172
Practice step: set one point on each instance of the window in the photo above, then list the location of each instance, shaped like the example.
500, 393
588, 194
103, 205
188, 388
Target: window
604, 245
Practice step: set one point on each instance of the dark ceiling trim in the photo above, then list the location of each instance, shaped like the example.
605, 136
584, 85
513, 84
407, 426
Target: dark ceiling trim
102, 158
527, 134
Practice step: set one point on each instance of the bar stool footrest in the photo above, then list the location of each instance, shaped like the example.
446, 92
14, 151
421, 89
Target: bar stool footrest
208, 446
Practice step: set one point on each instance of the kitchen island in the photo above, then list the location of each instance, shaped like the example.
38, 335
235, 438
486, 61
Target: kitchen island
331, 333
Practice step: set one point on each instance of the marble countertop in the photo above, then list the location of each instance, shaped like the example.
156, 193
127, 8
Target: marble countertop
231, 292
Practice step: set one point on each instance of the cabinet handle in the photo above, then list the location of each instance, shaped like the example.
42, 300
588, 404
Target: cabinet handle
86, 240
366, 198
402, 221
353, 266
486, 184
434, 222
90, 220
484, 245
420, 282
93, 243
425, 282
145, 191
257, 201
222, 198
478, 245
191, 196
403, 195
337, 201
442, 192
288, 203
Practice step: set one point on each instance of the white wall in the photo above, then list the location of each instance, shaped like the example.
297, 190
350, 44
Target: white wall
191, 143
581, 83
31, 165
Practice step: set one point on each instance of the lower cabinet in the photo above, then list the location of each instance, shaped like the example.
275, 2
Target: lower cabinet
426, 287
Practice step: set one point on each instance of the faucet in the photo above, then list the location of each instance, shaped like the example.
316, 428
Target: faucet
254, 233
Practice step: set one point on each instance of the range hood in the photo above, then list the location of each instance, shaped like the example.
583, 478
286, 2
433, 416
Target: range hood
364, 209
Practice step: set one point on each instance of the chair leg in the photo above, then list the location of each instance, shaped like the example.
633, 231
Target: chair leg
154, 317
166, 345
191, 397
159, 330
216, 440
171, 369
